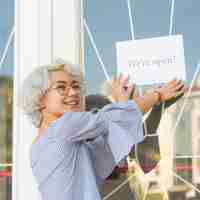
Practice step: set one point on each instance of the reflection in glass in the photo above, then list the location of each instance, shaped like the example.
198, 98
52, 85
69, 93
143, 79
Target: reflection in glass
5, 137
108, 21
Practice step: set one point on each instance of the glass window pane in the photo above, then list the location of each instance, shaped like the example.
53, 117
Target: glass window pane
6, 93
5, 187
108, 22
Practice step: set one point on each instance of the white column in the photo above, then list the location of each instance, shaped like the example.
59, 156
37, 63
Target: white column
45, 30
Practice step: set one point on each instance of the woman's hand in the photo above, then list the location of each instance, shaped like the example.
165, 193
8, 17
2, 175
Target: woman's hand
167, 91
171, 89
120, 90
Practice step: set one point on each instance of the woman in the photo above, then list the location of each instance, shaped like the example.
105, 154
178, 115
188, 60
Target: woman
67, 157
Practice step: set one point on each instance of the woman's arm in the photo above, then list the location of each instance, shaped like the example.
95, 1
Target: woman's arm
158, 95
124, 115
146, 102
121, 91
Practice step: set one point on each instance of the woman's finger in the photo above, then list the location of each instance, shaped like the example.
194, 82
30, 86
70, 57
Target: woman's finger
178, 86
125, 80
177, 82
131, 91
173, 81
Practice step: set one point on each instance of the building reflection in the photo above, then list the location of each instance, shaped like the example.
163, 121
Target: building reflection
6, 91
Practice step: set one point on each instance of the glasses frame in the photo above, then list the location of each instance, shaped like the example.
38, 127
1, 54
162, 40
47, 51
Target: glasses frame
66, 90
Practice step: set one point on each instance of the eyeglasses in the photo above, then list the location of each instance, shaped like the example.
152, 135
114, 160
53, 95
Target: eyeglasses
63, 88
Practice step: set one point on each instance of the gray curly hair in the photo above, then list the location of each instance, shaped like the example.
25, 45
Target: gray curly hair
36, 84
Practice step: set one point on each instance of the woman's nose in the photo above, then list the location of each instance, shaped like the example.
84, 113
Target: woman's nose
73, 91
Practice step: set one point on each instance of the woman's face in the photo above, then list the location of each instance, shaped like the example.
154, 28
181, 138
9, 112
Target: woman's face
63, 94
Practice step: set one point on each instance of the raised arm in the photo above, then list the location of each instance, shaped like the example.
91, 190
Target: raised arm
167, 91
121, 91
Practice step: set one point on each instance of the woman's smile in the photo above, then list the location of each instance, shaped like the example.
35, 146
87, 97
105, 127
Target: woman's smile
73, 103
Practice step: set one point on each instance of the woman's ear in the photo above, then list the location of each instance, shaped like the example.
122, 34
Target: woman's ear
42, 105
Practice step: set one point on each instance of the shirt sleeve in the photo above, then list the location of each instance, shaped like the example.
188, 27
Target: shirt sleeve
80, 126
125, 130
112, 132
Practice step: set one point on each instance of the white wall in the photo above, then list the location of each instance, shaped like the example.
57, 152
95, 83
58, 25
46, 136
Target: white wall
45, 30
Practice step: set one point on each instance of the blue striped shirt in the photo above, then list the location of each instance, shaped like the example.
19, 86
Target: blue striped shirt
80, 149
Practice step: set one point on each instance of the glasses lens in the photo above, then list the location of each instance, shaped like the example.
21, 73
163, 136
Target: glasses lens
63, 89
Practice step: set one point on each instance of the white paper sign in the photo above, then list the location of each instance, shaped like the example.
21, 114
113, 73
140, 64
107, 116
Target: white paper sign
154, 60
